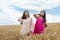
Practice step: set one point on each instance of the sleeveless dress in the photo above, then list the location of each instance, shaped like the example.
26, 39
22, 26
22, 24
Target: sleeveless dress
27, 26
39, 26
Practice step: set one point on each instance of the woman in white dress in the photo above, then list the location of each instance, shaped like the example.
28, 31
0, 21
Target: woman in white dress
27, 24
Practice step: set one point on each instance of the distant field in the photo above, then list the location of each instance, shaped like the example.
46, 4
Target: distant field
11, 32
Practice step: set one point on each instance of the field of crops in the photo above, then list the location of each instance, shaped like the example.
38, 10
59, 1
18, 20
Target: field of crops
11, 32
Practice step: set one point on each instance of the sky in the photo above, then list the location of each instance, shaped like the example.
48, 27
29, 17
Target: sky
11, 10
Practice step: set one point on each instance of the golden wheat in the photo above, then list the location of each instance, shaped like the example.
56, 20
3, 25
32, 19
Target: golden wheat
52, 32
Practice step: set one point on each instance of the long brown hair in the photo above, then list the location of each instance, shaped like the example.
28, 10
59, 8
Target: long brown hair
44, 15
24, 16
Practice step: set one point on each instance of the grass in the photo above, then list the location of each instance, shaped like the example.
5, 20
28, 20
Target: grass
11, 32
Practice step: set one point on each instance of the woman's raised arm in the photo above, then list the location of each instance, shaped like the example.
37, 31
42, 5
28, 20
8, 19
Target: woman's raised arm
36, 15
20, 20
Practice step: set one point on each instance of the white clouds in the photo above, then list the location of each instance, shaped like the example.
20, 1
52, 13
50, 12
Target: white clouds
9, 15
35, 4
52, 18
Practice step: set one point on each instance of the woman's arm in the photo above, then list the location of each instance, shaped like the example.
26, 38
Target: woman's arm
45, 24
31, 25
20, 20
36, 15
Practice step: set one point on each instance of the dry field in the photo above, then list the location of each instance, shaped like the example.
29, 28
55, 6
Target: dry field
11, 32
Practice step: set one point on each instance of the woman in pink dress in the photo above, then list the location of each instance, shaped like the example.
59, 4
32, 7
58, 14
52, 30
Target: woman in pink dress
40, 22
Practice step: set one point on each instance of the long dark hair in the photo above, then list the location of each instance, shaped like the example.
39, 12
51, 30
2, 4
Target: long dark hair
44, 17
24, 16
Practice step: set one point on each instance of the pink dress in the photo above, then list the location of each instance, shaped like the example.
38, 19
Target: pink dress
39, 26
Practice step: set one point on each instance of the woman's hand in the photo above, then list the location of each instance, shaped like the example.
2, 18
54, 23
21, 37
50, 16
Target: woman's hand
30, 32
45, 25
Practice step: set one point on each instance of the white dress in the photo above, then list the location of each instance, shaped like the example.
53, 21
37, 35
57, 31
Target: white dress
27, 25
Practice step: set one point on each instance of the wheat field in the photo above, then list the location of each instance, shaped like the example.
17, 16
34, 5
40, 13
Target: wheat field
11, 32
